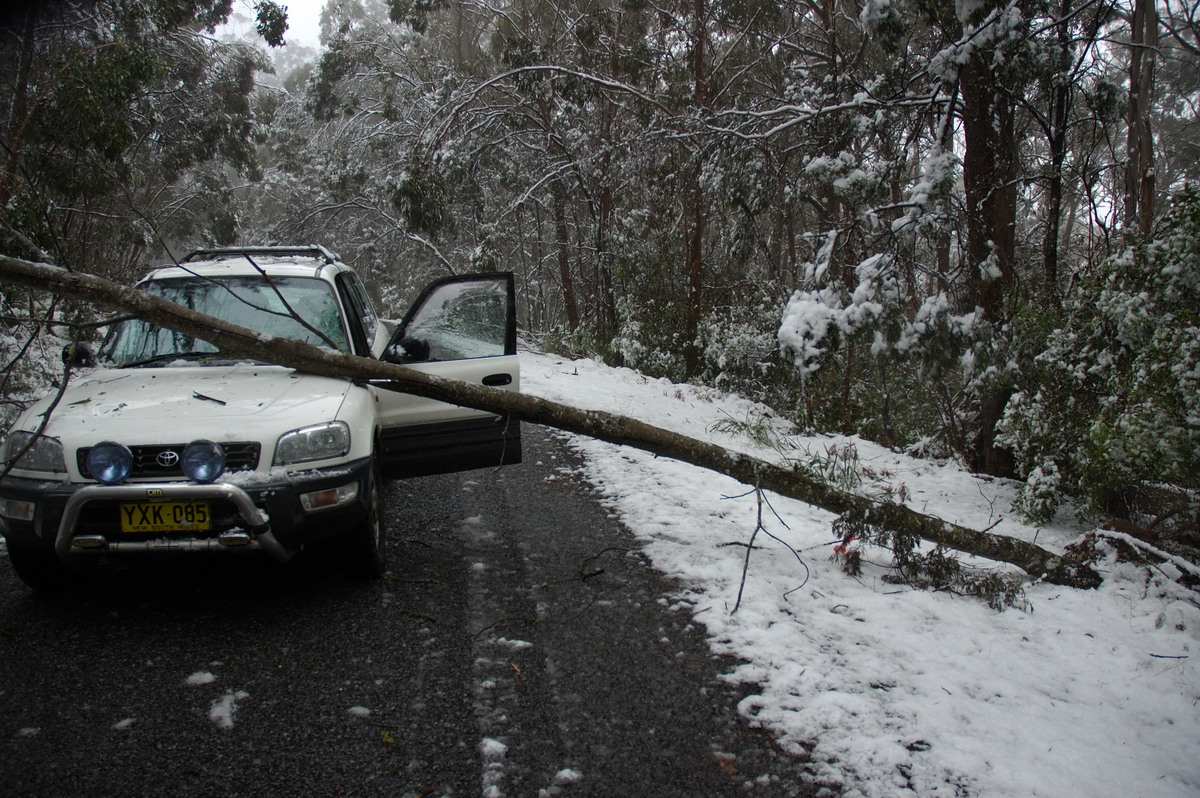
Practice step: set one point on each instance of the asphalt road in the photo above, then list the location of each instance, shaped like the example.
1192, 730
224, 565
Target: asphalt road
520, 645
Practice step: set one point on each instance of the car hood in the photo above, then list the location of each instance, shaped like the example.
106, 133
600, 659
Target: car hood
191, 401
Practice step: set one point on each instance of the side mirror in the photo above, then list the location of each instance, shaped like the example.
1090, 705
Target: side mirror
409, 350
78, 356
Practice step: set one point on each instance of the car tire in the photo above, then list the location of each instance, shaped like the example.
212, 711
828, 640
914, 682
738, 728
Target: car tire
45, 572
363, 548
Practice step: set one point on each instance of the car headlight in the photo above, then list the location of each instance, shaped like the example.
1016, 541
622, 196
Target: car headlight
109, 462
42, 454
318, 442
203, 461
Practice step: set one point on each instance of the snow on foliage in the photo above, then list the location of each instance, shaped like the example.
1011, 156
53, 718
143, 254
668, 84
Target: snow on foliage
879, 14
1113, 399
30, 353
816, 321
930, 195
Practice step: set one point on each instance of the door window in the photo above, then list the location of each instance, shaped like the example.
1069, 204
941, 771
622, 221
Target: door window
465, 317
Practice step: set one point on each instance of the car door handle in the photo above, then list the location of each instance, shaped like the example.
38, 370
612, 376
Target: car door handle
496, 380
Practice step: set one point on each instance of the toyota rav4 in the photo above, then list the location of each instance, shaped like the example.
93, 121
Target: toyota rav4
163, 443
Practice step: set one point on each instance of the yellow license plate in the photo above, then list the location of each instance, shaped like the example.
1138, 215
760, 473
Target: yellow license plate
165, 517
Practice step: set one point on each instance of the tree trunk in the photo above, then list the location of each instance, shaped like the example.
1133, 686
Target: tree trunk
989, 176
1139, 167
559, 198
240, 342
694, 265
19, 112
1056, 134
564, 256
606, 298
695, 215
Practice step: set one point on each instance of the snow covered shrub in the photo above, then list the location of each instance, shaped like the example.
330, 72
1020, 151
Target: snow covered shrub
815, 321
876, 309
894, 356
739, 350
1113, 402
589, 340
29, 354
650, 338
1040, 495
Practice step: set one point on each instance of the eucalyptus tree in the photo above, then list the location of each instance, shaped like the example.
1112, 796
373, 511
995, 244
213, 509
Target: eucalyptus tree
125, 125
115, 103
337, 152
1000, 78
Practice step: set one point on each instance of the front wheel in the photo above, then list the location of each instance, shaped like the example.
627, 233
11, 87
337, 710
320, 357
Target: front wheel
363, 548
45, 572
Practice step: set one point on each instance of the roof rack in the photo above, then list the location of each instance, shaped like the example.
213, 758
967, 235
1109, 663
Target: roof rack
301, 250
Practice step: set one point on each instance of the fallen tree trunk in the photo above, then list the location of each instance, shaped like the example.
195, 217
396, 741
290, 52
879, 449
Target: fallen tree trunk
240, 342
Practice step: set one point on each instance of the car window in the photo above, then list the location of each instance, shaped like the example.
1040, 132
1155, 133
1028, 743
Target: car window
361, 302
269, 308
463, 320
362, 310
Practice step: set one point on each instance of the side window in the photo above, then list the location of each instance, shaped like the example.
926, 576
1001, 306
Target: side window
364, 321
465, 317
361, 302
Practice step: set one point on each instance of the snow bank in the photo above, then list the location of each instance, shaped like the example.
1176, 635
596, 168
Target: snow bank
888, 689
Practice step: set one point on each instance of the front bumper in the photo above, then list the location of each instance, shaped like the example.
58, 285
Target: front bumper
72, 518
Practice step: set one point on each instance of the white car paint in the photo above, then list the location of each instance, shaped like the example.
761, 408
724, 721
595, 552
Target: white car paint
238, 402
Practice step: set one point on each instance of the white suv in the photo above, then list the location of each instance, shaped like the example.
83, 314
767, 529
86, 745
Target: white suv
165, 444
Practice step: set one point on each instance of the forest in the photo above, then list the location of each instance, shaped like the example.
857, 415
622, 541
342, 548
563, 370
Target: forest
968, 229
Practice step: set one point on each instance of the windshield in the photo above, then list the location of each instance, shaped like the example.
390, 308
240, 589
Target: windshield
249, 302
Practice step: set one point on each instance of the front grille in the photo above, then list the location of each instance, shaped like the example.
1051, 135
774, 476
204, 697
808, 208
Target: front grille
146, 464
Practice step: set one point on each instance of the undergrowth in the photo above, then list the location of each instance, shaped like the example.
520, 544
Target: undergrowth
937, 569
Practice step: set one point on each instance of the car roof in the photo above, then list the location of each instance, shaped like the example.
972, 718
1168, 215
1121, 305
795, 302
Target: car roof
295, 261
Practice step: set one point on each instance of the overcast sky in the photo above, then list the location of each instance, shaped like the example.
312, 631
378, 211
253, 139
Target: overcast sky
304, 19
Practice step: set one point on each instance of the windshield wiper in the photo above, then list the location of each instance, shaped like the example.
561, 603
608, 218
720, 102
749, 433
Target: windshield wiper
171, 356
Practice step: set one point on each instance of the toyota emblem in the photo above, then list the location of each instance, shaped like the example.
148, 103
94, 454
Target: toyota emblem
167, 458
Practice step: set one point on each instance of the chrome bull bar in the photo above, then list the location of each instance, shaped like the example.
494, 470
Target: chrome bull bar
257, 536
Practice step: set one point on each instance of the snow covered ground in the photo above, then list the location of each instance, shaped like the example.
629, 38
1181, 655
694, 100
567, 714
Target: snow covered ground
892, 690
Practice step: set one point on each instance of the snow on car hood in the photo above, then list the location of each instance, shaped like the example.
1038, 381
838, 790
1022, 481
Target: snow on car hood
193, 402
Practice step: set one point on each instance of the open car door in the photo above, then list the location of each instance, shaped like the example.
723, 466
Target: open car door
464, 328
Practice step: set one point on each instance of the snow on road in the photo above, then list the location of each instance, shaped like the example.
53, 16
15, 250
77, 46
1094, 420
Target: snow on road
892, 690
